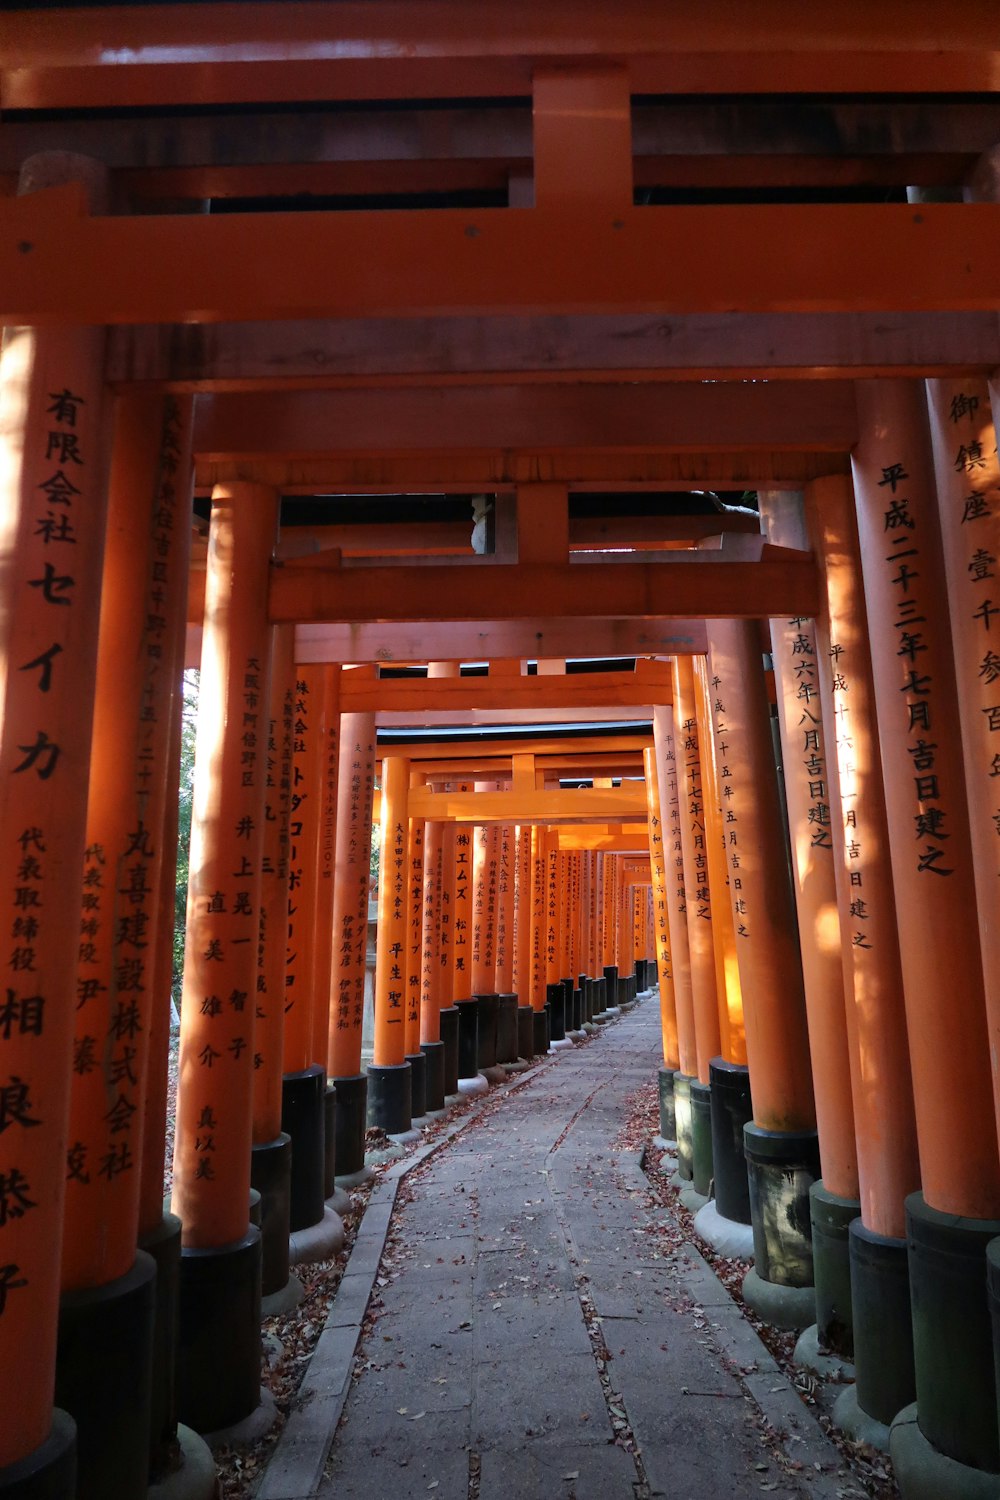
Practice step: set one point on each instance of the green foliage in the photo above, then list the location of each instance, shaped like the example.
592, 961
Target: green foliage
185, 800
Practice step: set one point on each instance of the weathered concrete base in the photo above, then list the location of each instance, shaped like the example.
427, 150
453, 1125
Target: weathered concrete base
404, 1137
471, 1087
850, 1418
727, 1236
577, 1036
668, 1163
284, 1299
789, 1307
319, 1242
48, 1473
194, 1478
353, 1180
451, 1101
690, 1198
810, 1356
340, 1202
923, 1473
244, 1434
497, 1073
559, 1044
521, 1066
660, 1143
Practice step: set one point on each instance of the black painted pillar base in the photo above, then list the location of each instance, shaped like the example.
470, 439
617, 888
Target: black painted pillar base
163, 1244
831, 1220
389, 1099
782, 1166
668, 1127
682, 1124
449, 1019
882, 1325
952, 1340
218, 1343
540, 1031
271, 1175
555, 999
731, 1110
468, 1037
302, 1117
351, 1119
525, 1032
434, 1090
587, 988
49, 1472
611, 986
418, 1085
577, 1004
329, 1145
486, 1045
600, 999
104, 1380
507, 1028
701, 1137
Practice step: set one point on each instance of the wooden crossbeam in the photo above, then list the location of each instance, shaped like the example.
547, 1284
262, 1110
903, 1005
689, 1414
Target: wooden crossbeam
681, 259
230, 356
374, 49
538, 807
706, 589
573, 417
629, 838
413, 699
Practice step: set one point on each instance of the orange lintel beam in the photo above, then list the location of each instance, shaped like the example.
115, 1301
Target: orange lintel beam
403, 263
257, 355
620, 838
574, 806
578, 690
228, 54
403, 641
736, 590
679, 416
556, 744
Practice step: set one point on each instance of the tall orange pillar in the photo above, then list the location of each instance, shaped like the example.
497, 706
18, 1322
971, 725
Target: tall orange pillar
701, 944
781, 1143
448, 1013
539, 890
431, 1044
143, 599
219, 1374
53, 484
810, 788
881, 1088
483, 934
670, 816
521, 974
414, 964
665, 978
271, 1164
503, 966
469, 1078
555, 993
352, 865
389, 1097
727, 969
312, 821
917, 703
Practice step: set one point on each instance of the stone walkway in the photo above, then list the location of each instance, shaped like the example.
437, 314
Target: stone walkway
533, 1338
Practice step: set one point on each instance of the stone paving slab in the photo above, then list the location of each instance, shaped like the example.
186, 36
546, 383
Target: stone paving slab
519, 1242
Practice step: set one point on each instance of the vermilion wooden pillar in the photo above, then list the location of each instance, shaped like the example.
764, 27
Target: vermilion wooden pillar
521, 970
355, 796
508, 1045
414, 962
325, 863
727, 969
271, 1165
691, 795
540, 1022
780, 1141
668, 1004
431, 1043
53, 486
881, 1088
219, 1371
109, 1289
810, 794
389, 1097
677, 922
932, 865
